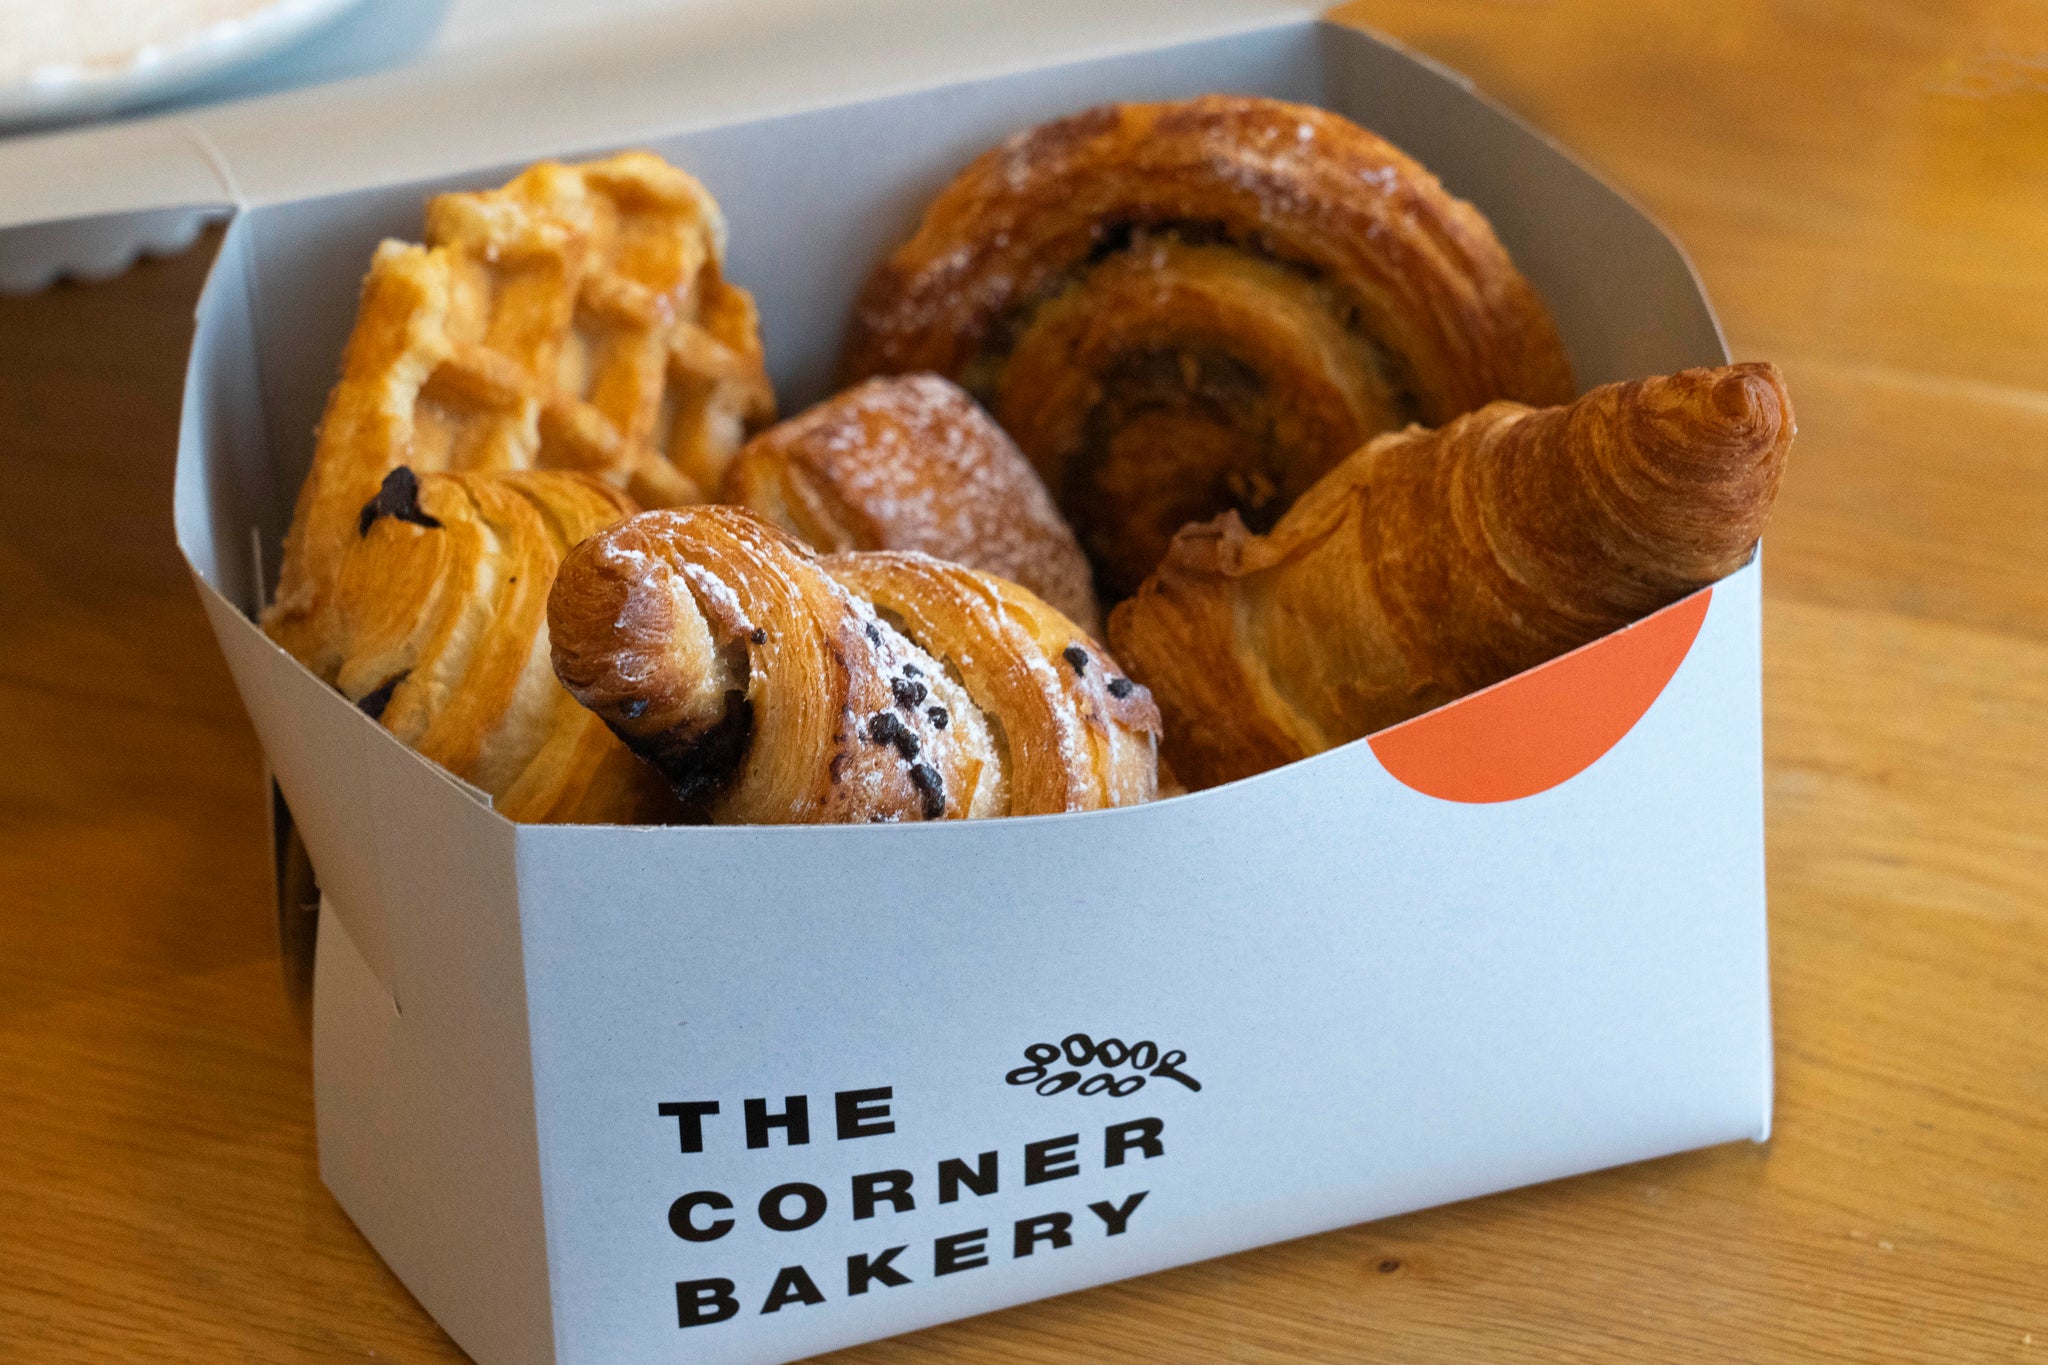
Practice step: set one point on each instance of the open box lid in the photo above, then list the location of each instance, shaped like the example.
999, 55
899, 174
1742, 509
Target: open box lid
686, 66
857, 151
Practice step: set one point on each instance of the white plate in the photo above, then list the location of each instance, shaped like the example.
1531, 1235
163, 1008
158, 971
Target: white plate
172, 62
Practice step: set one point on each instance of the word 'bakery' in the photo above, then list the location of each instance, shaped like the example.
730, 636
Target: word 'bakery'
705, 1215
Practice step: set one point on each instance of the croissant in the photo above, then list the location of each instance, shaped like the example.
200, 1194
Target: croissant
577, 318
1434, 563
913, 463
1181, 309
440, 634
772, 686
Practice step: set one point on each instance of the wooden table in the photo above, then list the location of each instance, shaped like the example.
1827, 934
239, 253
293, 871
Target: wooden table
1865, 189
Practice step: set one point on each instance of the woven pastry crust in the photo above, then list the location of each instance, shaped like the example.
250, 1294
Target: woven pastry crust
578, 318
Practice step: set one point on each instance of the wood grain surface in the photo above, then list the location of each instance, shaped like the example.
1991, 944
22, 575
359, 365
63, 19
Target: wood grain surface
1865, 189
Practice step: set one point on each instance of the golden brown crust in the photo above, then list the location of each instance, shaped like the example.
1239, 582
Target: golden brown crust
715, 646
913, 463
577, 318
1434, 563
1074, 733
439, 632
1228, 292
721, 649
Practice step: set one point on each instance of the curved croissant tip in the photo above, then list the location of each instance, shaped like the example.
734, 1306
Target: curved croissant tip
1748, 398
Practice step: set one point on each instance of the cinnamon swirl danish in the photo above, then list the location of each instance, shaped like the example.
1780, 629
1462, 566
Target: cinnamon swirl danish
1180, 309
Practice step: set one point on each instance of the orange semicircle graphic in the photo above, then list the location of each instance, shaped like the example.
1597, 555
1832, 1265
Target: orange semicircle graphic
1537, 729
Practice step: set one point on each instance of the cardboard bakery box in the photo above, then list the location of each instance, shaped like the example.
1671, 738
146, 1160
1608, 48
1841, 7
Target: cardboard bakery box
747, 1094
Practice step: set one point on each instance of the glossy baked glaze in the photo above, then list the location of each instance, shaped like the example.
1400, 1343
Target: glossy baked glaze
1434, 563
439, 633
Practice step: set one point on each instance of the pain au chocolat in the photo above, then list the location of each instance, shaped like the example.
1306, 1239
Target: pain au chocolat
775, 686
1185, 308
1434, 563
439, 621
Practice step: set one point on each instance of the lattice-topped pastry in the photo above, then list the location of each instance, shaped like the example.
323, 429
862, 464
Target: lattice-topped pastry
577, 318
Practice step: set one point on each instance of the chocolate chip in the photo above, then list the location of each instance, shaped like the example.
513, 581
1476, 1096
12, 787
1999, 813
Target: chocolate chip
759, 637
937, 715
379, 697
932, 787
908, 694
874, 633
884, 728
634, 709
837, 769
697, 768
1076, 656
1121, 687
913, 671
398, 496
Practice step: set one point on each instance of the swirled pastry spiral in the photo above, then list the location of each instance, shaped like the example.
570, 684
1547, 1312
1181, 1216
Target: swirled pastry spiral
770, 689
1072, 733
577, 318
1434, 563
1178, 309
913, 463
439, 619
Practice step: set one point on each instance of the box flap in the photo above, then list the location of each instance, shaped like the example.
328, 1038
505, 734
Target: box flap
627, 78
125, 167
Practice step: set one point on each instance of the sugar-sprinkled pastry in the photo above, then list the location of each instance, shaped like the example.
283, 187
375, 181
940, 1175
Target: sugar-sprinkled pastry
911, 462
772, 686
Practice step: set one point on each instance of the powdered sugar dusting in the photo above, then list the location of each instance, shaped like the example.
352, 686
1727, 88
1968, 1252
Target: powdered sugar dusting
918, 464
718, 598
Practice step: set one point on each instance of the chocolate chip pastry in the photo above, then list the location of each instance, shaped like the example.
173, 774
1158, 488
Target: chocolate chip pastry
774, 686
1180, 309
579, 318
1434, 563
439, 624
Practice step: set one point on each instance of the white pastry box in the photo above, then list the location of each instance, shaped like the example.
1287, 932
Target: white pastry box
746, 1094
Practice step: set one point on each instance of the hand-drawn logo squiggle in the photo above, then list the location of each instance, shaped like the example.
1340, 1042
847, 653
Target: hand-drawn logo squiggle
1145, 1060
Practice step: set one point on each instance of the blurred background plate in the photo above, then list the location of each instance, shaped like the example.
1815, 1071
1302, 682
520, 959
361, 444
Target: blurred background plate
66, 59
117, 136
